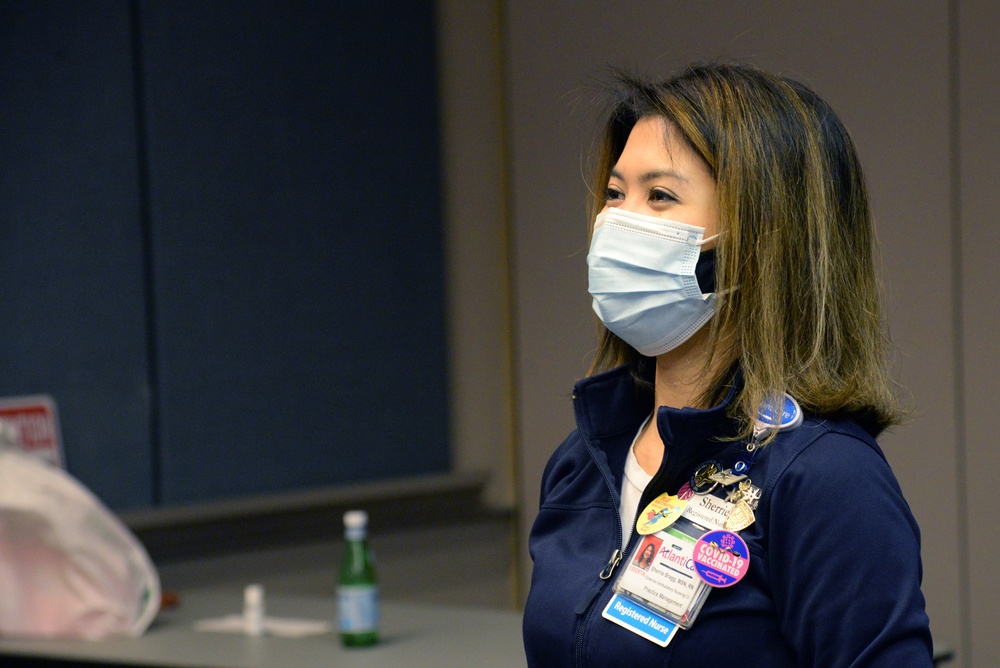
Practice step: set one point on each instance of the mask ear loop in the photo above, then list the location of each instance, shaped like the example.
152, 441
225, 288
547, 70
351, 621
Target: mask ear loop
694, 241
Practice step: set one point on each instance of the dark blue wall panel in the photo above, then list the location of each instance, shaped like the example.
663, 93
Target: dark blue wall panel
221, 241
72, 317
295, 211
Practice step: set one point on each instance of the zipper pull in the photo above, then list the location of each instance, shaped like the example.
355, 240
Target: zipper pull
589, 597
616, 556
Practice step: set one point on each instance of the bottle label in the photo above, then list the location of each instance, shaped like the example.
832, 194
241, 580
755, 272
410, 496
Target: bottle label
358, 608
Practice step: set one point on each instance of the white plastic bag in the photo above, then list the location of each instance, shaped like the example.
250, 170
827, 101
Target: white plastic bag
69, 568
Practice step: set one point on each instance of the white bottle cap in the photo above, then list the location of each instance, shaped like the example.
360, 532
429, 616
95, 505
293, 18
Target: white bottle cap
355, 519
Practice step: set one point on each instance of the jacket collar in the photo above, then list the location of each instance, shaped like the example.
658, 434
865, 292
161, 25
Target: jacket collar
610, 407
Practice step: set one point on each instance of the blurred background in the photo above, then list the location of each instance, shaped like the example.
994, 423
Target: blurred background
276, 259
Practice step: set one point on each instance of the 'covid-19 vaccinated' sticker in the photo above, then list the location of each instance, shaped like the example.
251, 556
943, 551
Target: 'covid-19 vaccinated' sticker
721, 558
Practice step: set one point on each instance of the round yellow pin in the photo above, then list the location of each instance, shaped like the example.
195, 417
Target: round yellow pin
660, 513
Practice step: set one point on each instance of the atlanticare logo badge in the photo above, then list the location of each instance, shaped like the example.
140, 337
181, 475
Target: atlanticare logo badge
675, 556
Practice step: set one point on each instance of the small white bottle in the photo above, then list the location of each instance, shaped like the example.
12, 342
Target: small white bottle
253, 610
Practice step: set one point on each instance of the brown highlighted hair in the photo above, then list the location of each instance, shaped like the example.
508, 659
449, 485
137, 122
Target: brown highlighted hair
799, 304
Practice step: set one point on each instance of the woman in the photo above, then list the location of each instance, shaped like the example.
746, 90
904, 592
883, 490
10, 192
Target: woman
645, 558
732, 264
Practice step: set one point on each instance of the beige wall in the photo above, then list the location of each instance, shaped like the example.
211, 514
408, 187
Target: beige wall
975, 272
476, 246
918, 90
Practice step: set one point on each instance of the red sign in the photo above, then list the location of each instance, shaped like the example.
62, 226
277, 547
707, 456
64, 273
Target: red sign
37, 425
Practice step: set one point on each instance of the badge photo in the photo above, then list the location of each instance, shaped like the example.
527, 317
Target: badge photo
646, 553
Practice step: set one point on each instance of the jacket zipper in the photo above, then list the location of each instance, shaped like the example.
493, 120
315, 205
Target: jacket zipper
586, 607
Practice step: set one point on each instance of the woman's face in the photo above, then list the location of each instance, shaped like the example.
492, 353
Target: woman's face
648, 552
658, 175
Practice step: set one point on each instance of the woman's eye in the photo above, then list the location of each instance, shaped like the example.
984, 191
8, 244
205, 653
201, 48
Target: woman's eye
613, 195
661, 196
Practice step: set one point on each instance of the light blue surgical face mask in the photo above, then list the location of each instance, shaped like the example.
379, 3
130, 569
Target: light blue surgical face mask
642, 279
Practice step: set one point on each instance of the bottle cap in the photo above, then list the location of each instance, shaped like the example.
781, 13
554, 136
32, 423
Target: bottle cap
253, 597
355, 519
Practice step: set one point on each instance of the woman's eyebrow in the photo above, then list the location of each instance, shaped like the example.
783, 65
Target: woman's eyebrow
653, 175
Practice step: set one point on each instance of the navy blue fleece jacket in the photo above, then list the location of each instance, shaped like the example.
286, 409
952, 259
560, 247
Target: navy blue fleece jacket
835, 570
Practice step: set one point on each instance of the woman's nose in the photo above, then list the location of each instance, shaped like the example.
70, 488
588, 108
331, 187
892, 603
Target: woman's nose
635, 205
632, 204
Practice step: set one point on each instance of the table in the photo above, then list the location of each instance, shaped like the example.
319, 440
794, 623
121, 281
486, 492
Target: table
411, 635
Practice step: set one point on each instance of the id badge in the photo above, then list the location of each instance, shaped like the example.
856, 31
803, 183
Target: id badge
660, 574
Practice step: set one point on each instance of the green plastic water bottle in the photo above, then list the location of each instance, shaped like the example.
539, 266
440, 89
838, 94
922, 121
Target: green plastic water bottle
357, 595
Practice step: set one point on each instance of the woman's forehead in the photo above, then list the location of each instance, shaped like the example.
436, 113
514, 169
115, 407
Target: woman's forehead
656, 147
